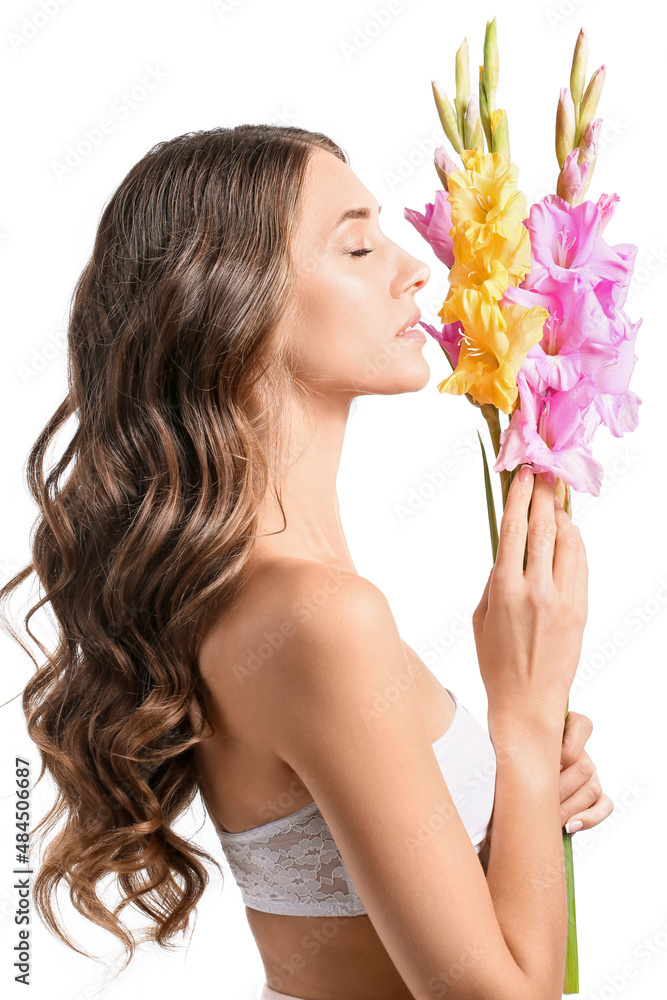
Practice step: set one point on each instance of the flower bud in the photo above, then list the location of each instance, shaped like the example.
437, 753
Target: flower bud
589, 101
444, 165
477, 137
571, 178
499, 133
447, 116
490, 64
589, 141
587, 179
565, 126
578, 73
462, 84
471, 119
483, 109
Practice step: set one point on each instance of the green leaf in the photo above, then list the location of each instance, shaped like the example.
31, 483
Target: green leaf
490, 505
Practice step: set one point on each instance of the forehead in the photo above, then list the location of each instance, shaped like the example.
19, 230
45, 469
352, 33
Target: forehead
331, 188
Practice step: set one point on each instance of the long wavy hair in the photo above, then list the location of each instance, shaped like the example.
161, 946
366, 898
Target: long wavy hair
177, 375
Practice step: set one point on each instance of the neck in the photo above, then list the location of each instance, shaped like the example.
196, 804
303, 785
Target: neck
308, 489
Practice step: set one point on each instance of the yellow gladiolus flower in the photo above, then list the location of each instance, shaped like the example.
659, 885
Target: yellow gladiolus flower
491, 278
485, 201
493, 268
495, 343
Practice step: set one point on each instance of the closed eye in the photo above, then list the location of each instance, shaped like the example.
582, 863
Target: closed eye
359, 253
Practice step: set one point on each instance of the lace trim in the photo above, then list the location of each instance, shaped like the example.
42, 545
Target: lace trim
305, 871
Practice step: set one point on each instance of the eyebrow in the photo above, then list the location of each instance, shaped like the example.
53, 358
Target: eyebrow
355, 213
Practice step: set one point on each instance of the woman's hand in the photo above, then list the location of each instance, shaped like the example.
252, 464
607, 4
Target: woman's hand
581, 795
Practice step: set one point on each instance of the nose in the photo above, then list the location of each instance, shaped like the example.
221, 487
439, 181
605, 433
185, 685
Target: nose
423, 273
416, 274
409, 274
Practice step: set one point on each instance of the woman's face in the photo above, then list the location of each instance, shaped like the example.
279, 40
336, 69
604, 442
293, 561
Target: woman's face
352, 305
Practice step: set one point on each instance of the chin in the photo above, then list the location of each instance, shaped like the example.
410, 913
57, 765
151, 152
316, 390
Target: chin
415, 374
406, 377
418, 379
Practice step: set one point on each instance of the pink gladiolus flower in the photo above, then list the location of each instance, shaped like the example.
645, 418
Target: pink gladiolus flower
553, 432
555, 362
580, 341
566, 250
449, 338
435, 226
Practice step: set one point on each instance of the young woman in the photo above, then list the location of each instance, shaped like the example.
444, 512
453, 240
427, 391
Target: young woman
215, 636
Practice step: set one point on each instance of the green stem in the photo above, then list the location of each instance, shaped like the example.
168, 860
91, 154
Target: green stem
571, 984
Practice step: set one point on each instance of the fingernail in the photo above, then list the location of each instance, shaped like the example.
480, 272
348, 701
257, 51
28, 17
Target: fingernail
557, 502
549, 476
573, 826
561, 767
525, 472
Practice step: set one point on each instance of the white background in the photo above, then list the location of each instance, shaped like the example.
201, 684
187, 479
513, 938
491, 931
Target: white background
335, 68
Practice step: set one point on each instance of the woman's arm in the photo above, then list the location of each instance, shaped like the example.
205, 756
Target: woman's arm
326, 705
579, 786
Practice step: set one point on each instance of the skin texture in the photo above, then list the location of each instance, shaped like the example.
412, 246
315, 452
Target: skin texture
274, 750
345, 345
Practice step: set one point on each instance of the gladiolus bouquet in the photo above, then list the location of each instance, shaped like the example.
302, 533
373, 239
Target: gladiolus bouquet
533, 322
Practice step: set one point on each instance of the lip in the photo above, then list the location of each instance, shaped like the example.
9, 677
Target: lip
410, 322
413, 335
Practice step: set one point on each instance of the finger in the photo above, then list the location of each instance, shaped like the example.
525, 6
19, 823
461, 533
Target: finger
581, 579
513, 528
541, 532
583, 794
575, 776
578, 728
566, 555
483, 605
599, 811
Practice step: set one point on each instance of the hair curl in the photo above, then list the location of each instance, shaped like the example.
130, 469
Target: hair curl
175, 373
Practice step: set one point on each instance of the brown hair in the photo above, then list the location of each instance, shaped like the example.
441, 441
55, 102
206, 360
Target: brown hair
174, 371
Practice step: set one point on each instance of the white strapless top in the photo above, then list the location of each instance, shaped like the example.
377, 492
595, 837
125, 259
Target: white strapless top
292, 865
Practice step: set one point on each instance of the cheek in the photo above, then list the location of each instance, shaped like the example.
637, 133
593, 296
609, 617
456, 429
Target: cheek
342, 320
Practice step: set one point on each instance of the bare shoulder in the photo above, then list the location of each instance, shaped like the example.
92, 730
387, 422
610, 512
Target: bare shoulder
319, 624
298, 597
312, 596
283, 611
